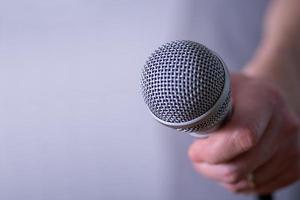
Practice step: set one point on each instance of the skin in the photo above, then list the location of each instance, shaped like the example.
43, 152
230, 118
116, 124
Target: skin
263, 136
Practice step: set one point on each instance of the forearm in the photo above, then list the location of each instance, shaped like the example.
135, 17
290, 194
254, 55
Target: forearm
278, 55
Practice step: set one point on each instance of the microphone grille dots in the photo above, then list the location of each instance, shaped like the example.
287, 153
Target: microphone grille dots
186, 86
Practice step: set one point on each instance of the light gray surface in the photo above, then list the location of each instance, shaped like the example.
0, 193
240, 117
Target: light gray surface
72, 122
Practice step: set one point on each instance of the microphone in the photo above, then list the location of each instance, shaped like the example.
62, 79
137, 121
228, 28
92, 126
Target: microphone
186, 86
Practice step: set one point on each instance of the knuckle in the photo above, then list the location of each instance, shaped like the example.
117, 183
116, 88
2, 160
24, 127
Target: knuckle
193, 153
231, 175
234, 189
231, 188
198, 153
246, 138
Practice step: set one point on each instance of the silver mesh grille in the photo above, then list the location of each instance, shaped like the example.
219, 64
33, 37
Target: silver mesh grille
214, 120
181, 81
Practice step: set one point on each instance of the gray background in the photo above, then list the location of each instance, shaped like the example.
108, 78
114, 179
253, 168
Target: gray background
72, 122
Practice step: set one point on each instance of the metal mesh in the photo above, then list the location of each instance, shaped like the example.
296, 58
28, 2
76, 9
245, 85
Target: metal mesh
181, 81
213, 120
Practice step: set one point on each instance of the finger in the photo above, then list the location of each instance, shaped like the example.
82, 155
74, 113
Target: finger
228, 142
286, 178
215, 172
286, 155
240, 134
275, 167
237, 187
287, 152
238, 168
278, 163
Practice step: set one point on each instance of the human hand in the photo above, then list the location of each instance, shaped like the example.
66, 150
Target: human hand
261, 138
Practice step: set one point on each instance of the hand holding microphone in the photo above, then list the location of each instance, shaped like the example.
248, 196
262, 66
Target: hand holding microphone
187, 87
260, 142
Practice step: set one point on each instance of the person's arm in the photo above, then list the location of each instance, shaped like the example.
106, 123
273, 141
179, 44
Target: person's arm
261, 139
278, 55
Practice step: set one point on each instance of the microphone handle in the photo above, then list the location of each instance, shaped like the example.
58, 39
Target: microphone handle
265, 197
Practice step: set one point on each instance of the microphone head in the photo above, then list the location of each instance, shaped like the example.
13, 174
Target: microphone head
186, 86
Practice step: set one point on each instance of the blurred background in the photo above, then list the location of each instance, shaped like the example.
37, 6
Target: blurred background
73, 124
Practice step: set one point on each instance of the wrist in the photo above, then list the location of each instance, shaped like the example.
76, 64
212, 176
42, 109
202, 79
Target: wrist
275, 62
280, 64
